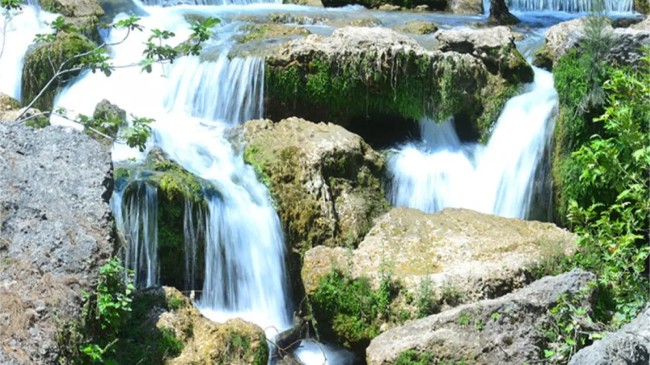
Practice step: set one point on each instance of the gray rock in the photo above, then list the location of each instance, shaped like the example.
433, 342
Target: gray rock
55, 230
467, 6
474, 334
628, 346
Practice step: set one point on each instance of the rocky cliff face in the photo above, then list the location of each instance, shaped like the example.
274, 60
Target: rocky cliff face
55, 231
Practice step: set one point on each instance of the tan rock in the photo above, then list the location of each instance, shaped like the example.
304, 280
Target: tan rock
467, 6
475, 254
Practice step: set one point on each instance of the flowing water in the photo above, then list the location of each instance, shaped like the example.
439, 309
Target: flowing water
196, 101
440, 171
571, 6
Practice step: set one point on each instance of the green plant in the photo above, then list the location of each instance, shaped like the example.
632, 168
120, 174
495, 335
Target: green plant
464, 319
570, 329
425, 301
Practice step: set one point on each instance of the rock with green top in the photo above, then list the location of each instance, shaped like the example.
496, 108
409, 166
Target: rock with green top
41, 61
325, 182
456, 251
257, 32
417, 27
83, 14
438, 5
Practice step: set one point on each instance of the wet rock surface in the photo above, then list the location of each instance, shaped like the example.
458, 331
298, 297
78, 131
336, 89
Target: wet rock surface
55, 231
474, 334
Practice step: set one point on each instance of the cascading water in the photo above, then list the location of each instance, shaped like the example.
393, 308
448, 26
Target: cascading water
498, 178
17, 31
207, 2
137, 218
192, 235
195, 103
572, 6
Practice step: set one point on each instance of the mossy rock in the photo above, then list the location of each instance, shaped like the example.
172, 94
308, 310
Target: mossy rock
417, 27
8, 103
642, 6
41, 61
178, 189
325, 183
370, 73
376, 4
256, 32
165, 328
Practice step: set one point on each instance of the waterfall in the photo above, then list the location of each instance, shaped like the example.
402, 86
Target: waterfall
498, 178
192, 234
572, 6
17, 31
195, 103
135, 208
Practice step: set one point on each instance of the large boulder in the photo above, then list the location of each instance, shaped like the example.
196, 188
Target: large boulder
325, 181
499, 13
367, 75
56, 229
467, 6
495, 47
507, 330
629, 345
625, 47
165, 328
83, 14
477, 255
44, 60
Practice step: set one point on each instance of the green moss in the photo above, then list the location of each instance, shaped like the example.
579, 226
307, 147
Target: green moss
499, 94
41, 62
348, 311
412, 357
256, 32
411, 85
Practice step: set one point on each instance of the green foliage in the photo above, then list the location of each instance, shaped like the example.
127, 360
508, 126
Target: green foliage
349, 310
412, 357
570, 329
425, 302
615, 170
9, 5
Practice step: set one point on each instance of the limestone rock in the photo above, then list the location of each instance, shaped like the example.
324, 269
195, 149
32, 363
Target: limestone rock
325, 181
55, 231
474, 334
499, 13
467, 6
365, 74
8, 103
629, 345
389, 7
494, 46
477, 255
417, 27
626, 42
314, 3
642, 25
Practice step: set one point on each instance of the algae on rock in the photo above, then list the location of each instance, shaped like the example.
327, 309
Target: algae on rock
42, 62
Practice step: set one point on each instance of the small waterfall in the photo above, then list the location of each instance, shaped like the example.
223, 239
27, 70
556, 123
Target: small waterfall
17, 31
136, 212
192, 234
572, 6
498, 178
219, 90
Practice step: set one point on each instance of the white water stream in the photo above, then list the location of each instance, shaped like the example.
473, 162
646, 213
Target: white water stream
498, 178
571, 6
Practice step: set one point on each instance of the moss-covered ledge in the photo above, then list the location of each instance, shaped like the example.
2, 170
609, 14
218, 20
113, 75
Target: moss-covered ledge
178, 189
360, 74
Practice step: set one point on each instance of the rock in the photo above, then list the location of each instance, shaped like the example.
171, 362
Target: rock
325, 181
257, 32
494, 46
642, 25
107, 119
421, 8
55, 231
476, 255
642, 6
389, 7
499, 14
388, 75
83, 14
467, 6
624, 50
168, 318
474, 334
7, 103
417, 27
42, 59
629, 345
314, 3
